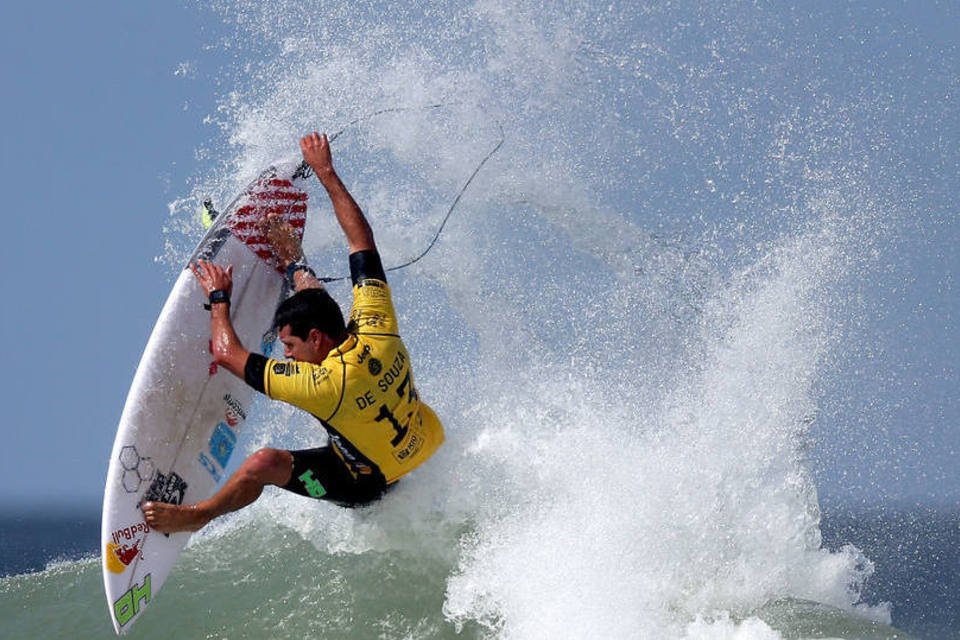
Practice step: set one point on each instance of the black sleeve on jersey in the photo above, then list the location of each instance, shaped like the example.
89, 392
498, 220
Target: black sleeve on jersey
253, 371
366, 264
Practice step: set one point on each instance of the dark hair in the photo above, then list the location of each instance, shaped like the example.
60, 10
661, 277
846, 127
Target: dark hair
310, 309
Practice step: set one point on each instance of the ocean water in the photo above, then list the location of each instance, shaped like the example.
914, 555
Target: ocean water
631, 325
49, 564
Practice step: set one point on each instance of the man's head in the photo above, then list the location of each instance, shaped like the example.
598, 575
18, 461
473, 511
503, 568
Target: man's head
309, 323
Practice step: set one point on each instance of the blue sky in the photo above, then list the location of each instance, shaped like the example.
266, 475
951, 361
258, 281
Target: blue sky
100, 134
104, 110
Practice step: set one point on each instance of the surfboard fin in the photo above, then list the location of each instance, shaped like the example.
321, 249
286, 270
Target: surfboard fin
208, 214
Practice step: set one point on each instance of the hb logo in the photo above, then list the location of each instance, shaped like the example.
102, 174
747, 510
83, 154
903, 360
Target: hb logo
312, 485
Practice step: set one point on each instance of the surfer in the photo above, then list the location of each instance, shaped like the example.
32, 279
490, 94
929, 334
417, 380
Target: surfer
355, 377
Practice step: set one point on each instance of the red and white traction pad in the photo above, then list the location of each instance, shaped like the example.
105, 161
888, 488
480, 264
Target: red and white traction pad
268, 196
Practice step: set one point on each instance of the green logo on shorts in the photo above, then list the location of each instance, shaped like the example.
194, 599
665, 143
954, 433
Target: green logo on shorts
312, 485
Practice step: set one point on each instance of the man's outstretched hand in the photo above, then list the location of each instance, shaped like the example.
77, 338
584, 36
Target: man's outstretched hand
213, 277
316, 151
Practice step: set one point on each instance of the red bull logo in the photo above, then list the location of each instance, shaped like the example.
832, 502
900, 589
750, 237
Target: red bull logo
130, 533
125, 546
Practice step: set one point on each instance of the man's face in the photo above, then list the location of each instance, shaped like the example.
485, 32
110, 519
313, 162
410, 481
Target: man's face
314, 349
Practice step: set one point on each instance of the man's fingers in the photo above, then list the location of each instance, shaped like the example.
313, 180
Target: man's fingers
311, 140
207, 272
200, 271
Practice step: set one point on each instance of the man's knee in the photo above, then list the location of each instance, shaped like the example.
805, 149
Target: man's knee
269, 466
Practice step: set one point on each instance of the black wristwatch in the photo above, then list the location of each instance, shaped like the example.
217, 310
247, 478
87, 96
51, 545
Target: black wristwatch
299, 265
217, 296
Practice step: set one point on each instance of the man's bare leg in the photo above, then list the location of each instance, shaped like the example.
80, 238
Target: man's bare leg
266, 466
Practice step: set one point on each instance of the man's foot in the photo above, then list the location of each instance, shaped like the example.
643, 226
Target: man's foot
283, 237
171, 518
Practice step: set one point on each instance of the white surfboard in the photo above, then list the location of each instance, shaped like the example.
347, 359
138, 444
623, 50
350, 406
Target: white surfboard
180, 422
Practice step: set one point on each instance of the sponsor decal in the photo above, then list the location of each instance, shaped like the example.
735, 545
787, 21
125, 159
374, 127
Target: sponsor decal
303, 172
127, 606
234, 413
375, 366
347, 456
286, 368
234, 404
209, 466
133, 532
413, 446
365, 318
137, 469
221, 444
270, 195
169, 488
370, 282
363, 354
319, 374
312, 485
119, 556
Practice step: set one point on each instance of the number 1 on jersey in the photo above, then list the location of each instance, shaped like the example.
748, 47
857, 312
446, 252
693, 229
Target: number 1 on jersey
400, 429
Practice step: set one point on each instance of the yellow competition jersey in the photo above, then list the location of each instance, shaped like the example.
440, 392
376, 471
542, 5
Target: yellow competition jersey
364, 392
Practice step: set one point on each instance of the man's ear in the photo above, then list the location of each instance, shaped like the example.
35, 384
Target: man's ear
315, 337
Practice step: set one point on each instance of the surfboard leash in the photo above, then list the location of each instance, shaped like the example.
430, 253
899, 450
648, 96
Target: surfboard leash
453, 205
209, 213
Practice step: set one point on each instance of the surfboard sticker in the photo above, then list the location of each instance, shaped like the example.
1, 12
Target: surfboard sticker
270, 193
273, 196
181, 421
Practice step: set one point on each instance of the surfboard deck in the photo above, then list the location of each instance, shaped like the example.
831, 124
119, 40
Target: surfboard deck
179, 426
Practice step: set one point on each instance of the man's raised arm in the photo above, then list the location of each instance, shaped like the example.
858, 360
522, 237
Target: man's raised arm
316, 151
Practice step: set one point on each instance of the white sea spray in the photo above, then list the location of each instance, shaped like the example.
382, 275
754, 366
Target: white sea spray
626, 323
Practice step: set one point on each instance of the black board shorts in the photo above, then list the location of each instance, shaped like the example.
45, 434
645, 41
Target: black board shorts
319, 473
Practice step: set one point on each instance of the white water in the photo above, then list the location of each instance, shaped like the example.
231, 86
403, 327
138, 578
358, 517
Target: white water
626, 325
